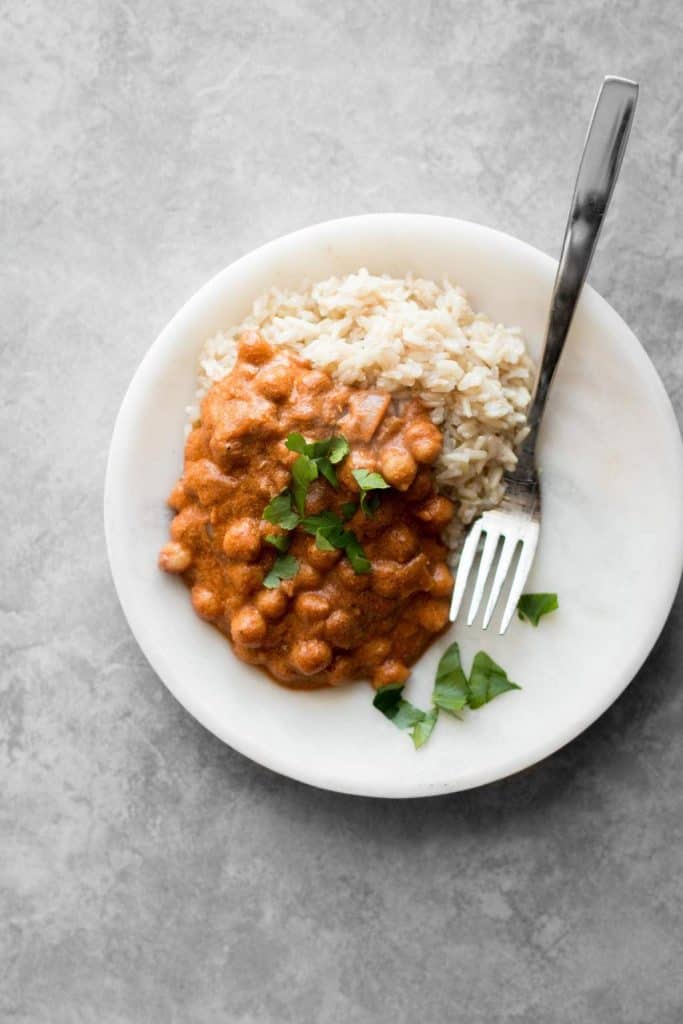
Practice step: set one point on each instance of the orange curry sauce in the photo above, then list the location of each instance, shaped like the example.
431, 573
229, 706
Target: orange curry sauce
327, 625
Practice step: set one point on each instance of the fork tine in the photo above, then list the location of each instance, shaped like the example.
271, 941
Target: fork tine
490, 548
526, 557
469, 550
509, 547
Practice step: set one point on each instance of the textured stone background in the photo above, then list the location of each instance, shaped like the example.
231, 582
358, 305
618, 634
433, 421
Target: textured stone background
150, 874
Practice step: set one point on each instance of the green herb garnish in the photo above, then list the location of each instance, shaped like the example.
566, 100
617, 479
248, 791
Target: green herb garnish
531, 607
304, 472
348, 510
360, 563
315, 457
329, 532
423, 729
284, 568
278, 540
279, 511
390, 702
451, 691
487, 680
369, 481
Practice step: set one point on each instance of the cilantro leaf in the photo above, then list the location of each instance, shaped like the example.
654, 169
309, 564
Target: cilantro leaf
320, 521
451, 691
304, 472
369, 481
339, 449
323, 543
297, 443
314, 457
487, 680
333, 448
278, 540
369, 503
284, 568
330, 533
360, 563
279, 511
423, 730
531, 607
327, 470
348, 510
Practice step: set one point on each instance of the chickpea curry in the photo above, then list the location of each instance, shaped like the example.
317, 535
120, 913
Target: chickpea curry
307, 524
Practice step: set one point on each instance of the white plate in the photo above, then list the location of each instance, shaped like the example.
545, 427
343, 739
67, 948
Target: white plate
611, 542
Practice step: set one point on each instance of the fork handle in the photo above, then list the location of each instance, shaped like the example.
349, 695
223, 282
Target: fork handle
598, 171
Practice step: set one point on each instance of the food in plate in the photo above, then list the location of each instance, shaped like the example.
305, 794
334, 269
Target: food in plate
344, 436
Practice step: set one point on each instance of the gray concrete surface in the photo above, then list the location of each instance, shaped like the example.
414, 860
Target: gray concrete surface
148, 873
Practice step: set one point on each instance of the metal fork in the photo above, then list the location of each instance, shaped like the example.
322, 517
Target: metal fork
517, 520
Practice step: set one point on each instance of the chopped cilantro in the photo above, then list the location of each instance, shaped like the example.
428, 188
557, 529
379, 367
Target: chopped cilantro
324, 455
278, 540
284, 568
279, 511
369, 481
304, 472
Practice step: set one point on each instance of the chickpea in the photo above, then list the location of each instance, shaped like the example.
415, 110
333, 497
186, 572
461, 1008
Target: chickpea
400, 543
307, 577
178, 499
352, 580
272, 483
310, 656
311, 606
432, 614
341, 628
442, 580
342, 671
174, 557
242, 539
205, 602
271, 603
205, 480
189, 525
373, 652
243, 579
423, 439
274, 381
390, 671
421, 486
386, 578
437, 511
398, 467
321, 560
254, 348
248, 627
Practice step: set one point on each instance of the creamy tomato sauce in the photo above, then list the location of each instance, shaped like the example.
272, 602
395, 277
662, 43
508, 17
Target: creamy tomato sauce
327, 625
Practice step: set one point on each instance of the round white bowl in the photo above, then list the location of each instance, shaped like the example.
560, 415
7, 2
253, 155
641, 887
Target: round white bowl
611, 543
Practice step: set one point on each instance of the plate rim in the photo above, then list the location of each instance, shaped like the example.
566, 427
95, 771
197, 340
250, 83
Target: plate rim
246, 745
